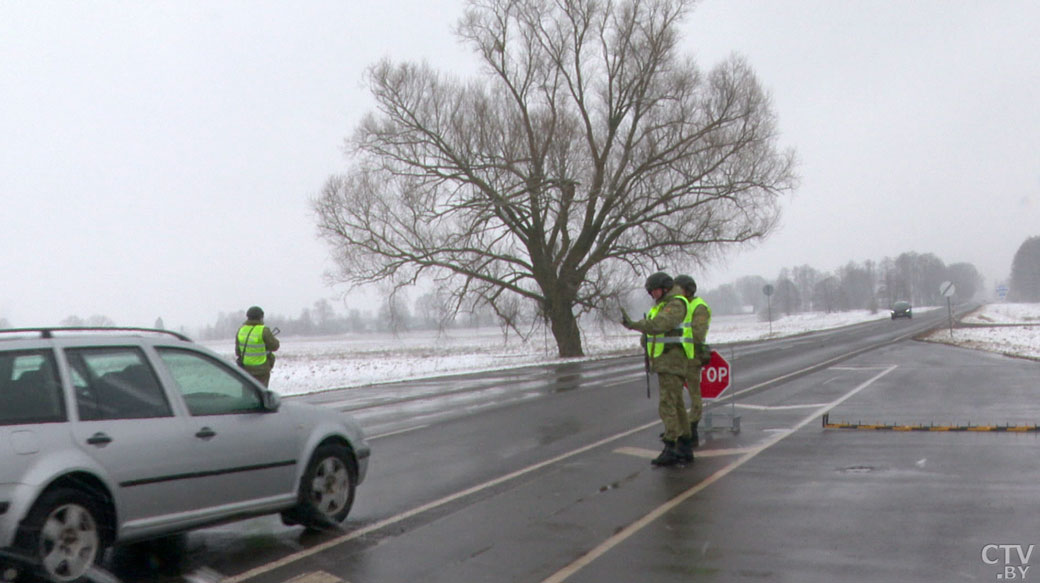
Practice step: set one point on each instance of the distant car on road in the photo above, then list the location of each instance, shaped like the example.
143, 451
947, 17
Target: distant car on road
110, 436
901, 310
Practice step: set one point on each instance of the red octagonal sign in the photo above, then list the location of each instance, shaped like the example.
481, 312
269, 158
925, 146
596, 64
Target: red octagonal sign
715, 376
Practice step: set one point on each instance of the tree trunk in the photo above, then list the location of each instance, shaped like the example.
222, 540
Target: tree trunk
564, 327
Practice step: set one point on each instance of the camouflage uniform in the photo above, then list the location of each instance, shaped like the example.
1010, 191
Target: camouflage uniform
261, 372
671, 366
701, 319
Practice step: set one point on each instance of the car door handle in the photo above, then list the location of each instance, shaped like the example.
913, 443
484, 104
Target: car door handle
99, 439
205, 433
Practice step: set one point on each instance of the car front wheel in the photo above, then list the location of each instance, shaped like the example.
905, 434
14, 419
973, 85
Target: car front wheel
62, 534
326, 489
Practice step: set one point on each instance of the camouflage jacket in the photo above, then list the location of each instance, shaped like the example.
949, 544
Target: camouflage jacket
668, 318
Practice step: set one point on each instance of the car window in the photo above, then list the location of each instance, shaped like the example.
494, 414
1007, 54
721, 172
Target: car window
115, 383
29, 388
209, 386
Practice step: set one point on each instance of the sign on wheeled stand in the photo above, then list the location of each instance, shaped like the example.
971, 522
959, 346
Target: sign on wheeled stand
715, 378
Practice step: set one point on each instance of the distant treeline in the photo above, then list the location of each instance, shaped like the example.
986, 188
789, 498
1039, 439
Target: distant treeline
322, 319
870, 285
912, 277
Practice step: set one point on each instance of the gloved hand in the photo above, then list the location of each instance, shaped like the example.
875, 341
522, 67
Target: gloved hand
625, 320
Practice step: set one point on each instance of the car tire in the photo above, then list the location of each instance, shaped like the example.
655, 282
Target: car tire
326, 489
63, 534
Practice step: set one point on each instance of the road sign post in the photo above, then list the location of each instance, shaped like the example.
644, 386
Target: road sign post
716, 377
947, 289
768, 291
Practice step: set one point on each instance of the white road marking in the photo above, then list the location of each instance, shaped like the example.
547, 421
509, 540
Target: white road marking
376, 526
316, 577
730, 396
660, 511
651, 454
204, 575
778, 407
637, 452
398, 432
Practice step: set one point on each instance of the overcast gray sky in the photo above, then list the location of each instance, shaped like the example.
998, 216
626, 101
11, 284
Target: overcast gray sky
159, 157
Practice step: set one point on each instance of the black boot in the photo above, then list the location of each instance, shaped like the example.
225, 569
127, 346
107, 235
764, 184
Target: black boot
684, 449
693, 428
668, 457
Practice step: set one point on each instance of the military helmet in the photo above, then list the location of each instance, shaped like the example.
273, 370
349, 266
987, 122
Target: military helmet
687, 283
659, 280
255, 313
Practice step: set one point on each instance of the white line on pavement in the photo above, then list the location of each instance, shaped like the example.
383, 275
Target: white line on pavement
376, 526
398, 432
651, 454
660, 511
426, 507
777, 407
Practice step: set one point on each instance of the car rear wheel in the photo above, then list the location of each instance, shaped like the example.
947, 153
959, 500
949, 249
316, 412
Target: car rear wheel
326, 489
62, 533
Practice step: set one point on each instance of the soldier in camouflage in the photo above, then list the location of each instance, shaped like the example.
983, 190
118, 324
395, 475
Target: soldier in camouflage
664, 329
699, 322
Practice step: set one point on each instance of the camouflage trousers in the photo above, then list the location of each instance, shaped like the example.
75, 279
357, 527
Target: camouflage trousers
693, 383
260, 373
672, 407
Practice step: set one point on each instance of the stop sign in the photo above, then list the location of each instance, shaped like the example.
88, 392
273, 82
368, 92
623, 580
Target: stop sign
714, 376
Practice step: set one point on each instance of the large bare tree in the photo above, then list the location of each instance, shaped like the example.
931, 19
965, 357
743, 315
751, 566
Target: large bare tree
587, 154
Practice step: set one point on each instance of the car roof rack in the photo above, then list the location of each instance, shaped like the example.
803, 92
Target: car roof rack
49, 331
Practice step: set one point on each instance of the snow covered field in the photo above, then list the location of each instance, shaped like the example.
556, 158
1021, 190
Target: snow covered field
1012, 329
310, 364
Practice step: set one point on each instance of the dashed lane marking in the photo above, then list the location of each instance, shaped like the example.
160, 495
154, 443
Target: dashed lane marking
651, 454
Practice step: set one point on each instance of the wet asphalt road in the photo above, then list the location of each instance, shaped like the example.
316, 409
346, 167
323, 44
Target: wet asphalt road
548, 478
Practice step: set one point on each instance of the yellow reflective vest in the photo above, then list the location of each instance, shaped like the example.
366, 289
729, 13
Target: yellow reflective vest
683, 335
251, 345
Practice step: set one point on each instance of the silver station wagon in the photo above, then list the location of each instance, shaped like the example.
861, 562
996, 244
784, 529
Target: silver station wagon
110, 436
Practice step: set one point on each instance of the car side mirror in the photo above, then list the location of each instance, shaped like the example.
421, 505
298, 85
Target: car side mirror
271, 400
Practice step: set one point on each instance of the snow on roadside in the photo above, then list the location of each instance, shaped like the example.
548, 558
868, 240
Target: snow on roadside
1011, 329
319, 363
1005, 314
